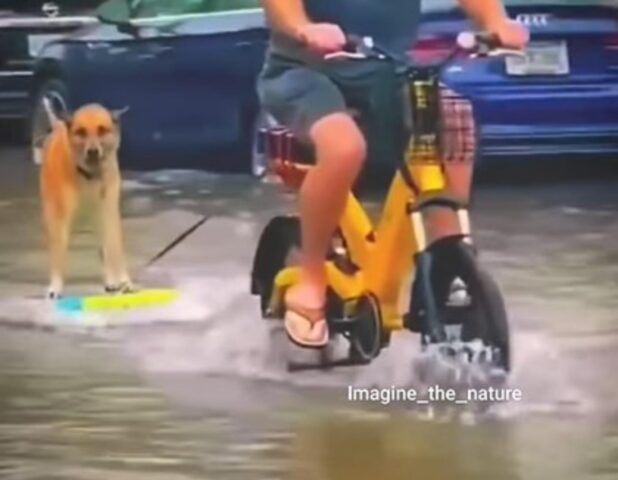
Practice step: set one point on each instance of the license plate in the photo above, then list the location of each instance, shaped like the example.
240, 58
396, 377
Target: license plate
540, 58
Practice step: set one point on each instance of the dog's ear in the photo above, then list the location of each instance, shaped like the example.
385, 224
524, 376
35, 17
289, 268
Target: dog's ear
53, 116
117, 114
66, 118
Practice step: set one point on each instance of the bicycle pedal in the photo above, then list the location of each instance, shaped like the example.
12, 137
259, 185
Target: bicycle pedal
341, 325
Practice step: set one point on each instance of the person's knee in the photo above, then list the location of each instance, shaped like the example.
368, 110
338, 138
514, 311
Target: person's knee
338, 139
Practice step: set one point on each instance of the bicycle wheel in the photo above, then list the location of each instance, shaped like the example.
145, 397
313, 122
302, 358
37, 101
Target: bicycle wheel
481, 316
278, 248
366, 335
489, 321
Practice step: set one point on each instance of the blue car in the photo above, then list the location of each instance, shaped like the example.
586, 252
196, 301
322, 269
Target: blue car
187, 70
560, 100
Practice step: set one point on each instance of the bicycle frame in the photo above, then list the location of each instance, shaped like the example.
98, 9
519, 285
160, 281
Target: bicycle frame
385, 253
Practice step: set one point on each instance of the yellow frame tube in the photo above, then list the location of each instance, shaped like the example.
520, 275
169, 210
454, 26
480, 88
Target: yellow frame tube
386, 258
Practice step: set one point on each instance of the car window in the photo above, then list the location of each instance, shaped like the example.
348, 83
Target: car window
124, 10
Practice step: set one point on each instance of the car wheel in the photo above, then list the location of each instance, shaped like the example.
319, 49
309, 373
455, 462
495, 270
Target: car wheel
258, 152
50, 101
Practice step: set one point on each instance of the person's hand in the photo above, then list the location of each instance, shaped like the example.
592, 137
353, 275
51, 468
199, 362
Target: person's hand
322, 38
511, 34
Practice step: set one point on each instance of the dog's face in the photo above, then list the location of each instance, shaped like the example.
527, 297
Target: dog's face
94, 134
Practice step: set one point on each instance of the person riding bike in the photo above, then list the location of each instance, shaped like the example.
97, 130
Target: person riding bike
312, 96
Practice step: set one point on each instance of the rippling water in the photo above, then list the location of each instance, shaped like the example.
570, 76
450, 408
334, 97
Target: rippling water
210, 398
75, 410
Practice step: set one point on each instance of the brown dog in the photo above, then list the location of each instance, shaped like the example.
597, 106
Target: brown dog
80, 158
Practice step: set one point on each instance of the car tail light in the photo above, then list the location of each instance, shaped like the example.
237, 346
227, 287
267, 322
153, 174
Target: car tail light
429, 49
611, 42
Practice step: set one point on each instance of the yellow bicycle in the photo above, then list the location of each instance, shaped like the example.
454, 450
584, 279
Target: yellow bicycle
451, 300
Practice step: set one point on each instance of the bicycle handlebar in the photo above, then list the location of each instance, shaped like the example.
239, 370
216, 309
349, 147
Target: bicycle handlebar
476, 44
485, 44
478, 40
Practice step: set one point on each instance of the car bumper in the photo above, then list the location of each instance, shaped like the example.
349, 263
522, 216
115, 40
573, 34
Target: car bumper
550, 120
535, 141
14, 94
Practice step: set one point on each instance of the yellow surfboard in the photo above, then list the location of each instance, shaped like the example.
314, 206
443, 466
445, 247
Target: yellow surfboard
142, 299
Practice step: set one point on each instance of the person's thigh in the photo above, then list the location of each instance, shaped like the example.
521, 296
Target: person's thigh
338, 140
298, 97
376, 92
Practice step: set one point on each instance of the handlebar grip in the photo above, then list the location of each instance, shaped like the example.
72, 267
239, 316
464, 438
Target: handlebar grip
366, 47
489, 40
482, 41
353, 42
354, 47
358, 44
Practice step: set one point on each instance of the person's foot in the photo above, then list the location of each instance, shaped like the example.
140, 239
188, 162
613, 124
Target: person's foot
305, 321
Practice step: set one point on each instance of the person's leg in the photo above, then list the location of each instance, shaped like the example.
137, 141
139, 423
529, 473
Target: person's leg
442, 222
459, 151
340, 151
313, 107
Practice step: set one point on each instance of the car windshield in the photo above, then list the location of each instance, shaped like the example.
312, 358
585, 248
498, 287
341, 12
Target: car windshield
125, 10
436, 5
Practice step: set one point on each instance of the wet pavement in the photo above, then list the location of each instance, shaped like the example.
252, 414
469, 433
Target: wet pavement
199, 391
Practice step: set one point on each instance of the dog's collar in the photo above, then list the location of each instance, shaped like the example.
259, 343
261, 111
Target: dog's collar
85, 173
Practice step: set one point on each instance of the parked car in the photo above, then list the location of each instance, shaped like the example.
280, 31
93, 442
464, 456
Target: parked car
561, 100
25, 27
187, 70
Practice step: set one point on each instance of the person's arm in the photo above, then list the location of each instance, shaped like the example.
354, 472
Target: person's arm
286, 16
491, 16
289, 18
486, 13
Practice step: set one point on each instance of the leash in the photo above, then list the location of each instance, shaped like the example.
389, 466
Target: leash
179, 239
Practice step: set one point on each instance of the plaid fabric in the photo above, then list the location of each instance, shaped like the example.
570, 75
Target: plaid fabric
458, 136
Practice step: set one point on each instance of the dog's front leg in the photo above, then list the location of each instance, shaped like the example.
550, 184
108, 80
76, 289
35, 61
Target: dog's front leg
117, 278
58, 226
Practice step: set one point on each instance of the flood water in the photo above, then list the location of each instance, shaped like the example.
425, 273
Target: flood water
209, 398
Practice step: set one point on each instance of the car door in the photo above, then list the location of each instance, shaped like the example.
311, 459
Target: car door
209, 85
189, 75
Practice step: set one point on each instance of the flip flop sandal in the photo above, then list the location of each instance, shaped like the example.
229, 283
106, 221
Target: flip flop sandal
302, 328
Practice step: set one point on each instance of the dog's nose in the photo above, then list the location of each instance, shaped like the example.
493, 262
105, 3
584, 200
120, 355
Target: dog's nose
92, 155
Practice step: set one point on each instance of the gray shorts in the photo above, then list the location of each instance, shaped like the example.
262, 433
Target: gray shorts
297, 95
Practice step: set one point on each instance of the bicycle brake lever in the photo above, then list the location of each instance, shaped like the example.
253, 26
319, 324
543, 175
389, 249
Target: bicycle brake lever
500, 52
504, 52
355, 43
485, 45
356, 47
344, 54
